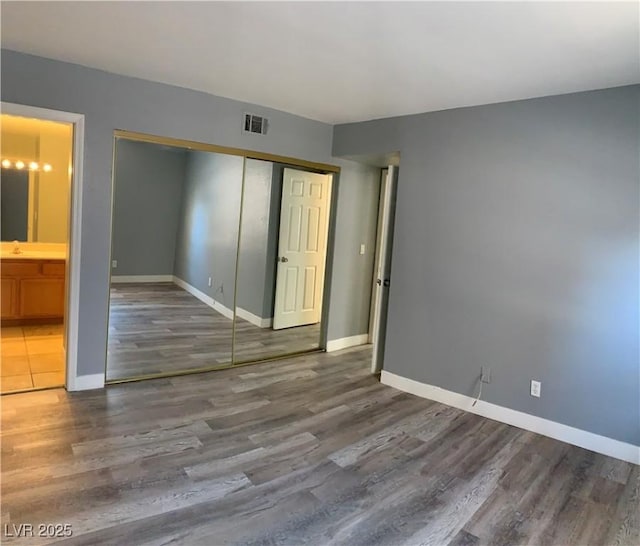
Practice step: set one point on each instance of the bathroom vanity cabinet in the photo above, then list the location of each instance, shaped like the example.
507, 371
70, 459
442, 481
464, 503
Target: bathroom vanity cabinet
32, 290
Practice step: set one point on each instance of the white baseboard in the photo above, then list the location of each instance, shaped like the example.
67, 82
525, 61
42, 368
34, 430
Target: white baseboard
254, 319
86, 382
141, 278
552, 429
216, 305
345, 342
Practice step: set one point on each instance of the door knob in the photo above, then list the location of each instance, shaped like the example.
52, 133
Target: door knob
283, 259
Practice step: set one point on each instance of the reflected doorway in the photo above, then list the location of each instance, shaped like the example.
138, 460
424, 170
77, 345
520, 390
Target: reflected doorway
281, 261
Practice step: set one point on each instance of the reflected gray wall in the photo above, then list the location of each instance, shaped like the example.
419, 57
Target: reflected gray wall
111, 101
352, 274
259, 235
207, 239
516, 247
148, 182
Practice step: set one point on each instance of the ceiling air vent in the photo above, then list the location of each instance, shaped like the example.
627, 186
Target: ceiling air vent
255, 124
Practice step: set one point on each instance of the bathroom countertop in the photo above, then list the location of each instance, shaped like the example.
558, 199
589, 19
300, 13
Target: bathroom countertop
34, 255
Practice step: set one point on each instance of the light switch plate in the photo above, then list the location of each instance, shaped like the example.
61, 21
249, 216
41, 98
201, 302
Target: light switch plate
362, 247
535, 388
114, 264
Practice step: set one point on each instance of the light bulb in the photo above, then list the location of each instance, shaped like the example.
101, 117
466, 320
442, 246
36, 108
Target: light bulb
6, 163
46, 168
19, 164
33, 166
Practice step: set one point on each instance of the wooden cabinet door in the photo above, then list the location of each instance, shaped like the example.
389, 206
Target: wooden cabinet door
41, 297
9, 296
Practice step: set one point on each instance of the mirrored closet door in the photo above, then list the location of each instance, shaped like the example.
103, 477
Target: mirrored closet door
217, 259
281, 261
173, 259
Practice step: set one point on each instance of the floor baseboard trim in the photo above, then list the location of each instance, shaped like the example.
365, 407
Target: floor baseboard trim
552, 429
141, 278
87, 382
204, 298
346, 342
260, 322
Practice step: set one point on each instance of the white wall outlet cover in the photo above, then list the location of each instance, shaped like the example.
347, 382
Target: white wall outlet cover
114, 263
210, 281
362, 248
536, 386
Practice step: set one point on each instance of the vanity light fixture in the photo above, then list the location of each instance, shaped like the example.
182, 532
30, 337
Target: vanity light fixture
32, 165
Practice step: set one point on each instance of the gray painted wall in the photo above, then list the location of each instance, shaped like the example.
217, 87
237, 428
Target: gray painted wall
256, 266
146, 207
110, 102
352, 273
207, 239
516, 247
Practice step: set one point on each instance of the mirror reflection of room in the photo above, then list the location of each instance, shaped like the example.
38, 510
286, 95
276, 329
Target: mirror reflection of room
216, 260
35, 186
174, 245
281, 260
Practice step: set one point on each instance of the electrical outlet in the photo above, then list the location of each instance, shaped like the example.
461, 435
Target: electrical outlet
535, 388
485, 374
210, 282
362, 249
114, 264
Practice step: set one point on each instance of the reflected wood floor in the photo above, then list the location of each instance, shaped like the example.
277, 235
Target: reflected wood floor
311, 450
159, 327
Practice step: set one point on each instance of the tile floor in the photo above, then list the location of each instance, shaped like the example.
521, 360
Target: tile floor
32, 357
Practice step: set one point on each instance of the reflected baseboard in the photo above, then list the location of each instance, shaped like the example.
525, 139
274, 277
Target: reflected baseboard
115, 279
254, 319
346, 342
204, 298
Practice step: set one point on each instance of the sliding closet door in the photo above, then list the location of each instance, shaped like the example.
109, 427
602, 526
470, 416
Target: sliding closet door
174, 246
261, 270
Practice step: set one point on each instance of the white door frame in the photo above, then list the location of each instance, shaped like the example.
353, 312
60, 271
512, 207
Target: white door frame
384, 172
380, 290
72, 304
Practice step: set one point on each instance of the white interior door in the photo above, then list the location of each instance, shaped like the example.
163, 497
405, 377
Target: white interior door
302, 248
383, 266
374, 314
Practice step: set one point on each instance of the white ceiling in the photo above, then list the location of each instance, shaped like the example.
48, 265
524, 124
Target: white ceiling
339, 62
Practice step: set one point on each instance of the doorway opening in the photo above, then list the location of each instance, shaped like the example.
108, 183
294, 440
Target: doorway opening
40, 186
382, 266
36, 192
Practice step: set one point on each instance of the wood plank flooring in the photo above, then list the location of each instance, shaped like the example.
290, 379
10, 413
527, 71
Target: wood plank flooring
159, 327
310, 450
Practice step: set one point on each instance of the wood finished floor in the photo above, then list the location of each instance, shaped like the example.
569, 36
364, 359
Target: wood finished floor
159, 327
311, 450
